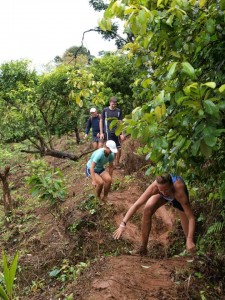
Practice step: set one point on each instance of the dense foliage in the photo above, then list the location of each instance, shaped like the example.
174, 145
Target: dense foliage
183, 80
117, 73
36, 107
181, 89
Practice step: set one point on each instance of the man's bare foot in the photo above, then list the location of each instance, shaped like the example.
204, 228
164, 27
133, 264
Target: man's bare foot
104, 198
98, 198
117, 166
142, 251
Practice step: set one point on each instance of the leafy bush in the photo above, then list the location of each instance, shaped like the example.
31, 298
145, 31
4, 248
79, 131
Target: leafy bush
67, 271
90, 204
47, 184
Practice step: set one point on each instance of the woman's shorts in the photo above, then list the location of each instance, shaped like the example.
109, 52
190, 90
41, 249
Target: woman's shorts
95, 139
176, 204
88, 173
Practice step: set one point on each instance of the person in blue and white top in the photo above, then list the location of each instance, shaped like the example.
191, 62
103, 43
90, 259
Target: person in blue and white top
94, 123
95, 169
166, 188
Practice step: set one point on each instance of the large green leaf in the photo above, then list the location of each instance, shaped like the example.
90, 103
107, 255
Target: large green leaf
171, 68
137, 113
145, 83
210, 84
188, 69
196, 105
9, 273
12, 271
195, 147
210, 107
54, 273
205, 149
169, 21
6, 273
199, 128
105, 24
153, 128
210, 140
147, 39
155, 155
119, 129
210, 136
186, 146
159, 99
160, 111
3, 294
141, 22
192, 88
160, 143
222, 87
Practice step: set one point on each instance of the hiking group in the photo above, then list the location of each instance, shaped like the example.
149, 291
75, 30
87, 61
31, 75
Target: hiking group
165, 189
107, 146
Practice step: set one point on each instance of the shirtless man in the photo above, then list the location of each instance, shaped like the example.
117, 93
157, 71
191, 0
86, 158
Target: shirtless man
166, 188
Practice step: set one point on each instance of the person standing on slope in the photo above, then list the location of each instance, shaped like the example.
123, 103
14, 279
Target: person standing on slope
94, 123
108, 115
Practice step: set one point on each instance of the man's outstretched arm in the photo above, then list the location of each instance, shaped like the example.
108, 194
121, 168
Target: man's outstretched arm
151, 190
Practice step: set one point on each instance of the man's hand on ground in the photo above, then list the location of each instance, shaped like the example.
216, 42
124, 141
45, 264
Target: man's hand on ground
117, 233
190, 246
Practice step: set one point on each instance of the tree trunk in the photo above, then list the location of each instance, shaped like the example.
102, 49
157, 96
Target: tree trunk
59, 154
77, 135
7, 199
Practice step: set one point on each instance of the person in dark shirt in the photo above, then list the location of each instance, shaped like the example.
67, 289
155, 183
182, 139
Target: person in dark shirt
94, 123
108, 115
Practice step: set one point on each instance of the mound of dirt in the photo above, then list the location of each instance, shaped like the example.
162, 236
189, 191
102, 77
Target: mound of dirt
132, 278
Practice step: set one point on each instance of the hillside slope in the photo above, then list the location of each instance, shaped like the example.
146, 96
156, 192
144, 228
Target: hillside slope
68, 252
132, 277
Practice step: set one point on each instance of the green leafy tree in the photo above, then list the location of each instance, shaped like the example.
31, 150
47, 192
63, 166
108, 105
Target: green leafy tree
117, 73
15, 77
52, 104
75, 56
182, 117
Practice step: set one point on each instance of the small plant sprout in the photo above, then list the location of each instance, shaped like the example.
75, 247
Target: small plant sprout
6, 292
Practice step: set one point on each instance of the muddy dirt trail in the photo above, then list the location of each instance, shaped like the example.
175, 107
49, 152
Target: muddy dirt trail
129, 277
